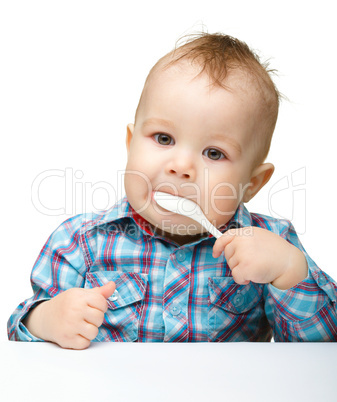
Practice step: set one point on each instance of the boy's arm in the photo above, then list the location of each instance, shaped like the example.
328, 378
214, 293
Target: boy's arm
72, 318
261, 256
306, 312
300, 300
60, 266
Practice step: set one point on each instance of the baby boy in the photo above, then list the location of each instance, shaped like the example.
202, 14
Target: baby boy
137, 272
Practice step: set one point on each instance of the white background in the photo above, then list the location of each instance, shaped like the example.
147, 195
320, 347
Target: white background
71, 73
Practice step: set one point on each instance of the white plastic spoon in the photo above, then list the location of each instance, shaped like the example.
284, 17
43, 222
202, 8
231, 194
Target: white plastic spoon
186, 207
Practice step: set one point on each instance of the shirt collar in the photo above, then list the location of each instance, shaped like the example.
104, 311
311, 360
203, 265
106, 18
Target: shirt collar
121, 210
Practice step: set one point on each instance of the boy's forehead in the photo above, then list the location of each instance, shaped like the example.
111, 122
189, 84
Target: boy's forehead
170, 73
219, 110
166, 80
185, 72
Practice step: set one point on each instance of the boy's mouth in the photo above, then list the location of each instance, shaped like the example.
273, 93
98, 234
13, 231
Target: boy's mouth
169, 195
156, 203
175, 194
174, 203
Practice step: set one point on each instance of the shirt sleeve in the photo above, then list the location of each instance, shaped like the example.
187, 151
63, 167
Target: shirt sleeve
306, 312
59, 266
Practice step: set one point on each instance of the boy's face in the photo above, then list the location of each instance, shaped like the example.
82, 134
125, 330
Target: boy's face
193, 140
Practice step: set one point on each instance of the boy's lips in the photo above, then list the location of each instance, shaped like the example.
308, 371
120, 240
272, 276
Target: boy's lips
166, 192
174, 194
170, 194
186, 208
156, 203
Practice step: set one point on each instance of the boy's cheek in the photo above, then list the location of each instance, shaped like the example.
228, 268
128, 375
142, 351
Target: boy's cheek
137, 185
222, 209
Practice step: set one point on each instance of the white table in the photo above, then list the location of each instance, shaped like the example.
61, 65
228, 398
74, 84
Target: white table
169, 372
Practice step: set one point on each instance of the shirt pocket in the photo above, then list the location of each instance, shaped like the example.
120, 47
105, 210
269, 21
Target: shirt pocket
125, 306
234, 310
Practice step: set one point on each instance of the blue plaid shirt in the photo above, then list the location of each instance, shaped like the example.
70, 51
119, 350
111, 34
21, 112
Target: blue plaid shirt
176, 294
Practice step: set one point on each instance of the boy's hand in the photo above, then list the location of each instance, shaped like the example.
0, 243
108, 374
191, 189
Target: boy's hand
72, 318
261, 256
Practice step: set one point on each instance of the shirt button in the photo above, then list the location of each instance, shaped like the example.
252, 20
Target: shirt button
181, 255
114, 296
322, 280
133, 233
238, 300
175, 309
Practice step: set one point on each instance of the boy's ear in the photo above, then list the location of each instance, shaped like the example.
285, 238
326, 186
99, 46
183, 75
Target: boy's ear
260, 177
129, 133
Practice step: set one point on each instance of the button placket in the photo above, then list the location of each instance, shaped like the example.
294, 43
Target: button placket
175, 309
175, 297
181, 255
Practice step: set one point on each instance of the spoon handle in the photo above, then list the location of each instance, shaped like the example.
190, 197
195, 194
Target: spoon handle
212, 229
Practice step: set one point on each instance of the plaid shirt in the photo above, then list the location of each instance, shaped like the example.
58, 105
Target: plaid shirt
176, 294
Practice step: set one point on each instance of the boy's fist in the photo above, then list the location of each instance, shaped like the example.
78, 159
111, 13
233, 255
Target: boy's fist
261, 256
72, 318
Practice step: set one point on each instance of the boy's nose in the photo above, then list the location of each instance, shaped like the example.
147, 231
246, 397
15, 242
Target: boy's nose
180, 174
182, 168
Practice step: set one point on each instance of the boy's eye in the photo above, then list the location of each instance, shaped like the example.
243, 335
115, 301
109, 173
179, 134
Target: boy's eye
164, 139
214, 154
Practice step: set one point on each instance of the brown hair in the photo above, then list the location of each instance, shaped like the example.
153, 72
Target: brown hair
219, 55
